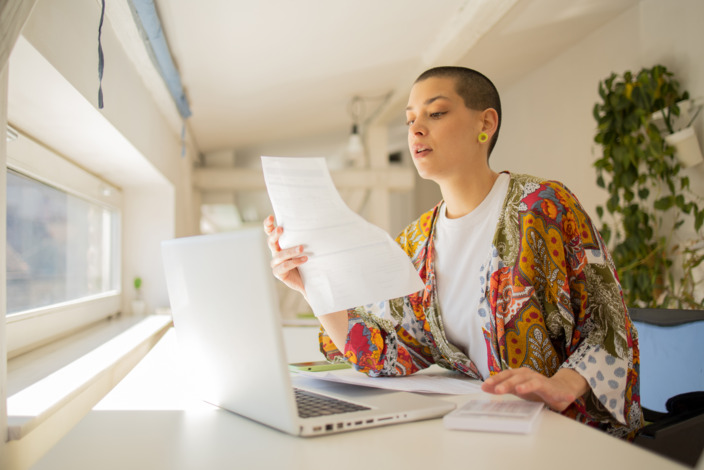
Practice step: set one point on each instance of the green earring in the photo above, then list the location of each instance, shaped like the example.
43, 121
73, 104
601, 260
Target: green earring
483, 137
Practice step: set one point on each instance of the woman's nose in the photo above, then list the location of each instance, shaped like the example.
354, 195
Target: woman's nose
416, 128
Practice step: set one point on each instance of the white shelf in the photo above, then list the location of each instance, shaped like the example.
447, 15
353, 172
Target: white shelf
243, 179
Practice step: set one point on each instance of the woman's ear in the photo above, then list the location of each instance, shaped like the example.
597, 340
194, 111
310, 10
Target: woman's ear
490, 121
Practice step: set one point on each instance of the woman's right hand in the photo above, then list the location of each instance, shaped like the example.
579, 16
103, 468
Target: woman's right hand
284, 263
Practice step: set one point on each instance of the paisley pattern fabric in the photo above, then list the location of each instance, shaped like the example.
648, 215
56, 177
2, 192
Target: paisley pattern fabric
550, 299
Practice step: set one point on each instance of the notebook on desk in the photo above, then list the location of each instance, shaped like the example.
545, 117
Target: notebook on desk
228, 326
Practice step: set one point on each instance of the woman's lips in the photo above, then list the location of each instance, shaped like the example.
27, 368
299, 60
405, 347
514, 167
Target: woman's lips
420, 151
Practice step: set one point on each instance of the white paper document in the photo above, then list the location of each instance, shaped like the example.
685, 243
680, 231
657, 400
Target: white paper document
495, 415
350, 261
444, 382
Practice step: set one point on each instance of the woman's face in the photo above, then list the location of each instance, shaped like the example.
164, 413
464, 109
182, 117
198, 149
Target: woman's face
442, 131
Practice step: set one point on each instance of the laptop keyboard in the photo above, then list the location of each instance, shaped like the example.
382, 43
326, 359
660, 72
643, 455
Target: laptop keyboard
311, 405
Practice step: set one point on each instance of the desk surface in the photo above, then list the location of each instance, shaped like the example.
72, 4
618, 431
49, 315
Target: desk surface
150, 421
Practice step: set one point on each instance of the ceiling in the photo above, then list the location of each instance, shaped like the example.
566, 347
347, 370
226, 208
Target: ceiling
260, 71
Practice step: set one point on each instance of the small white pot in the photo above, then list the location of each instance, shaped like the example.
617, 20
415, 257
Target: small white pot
686, 146
677, 122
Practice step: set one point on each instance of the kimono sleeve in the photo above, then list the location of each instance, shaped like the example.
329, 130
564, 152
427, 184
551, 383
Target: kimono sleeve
382, 340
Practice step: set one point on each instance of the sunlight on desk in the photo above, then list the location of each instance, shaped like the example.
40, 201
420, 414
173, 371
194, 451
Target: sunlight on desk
140, 392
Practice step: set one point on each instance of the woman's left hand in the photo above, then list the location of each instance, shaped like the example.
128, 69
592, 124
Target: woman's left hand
558, 391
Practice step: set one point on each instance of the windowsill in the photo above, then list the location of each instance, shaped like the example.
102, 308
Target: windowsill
75, 372
30, 367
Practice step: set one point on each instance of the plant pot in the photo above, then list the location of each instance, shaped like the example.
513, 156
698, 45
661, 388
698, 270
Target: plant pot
686, 146
677, 122
138, 307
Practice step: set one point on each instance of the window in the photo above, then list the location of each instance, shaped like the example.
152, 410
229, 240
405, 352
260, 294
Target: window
63, 246
60, 247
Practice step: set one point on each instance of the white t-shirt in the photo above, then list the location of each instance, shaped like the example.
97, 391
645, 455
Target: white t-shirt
461, 248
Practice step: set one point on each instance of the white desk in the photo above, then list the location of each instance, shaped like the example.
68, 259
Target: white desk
150, 421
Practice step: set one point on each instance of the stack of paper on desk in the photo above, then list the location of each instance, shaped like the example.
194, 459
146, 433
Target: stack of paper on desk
350, 261
441, 381
511, 416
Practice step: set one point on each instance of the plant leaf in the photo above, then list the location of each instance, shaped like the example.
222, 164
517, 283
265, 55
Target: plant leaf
664, 203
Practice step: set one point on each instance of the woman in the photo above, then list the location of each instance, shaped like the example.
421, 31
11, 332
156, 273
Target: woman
520, 290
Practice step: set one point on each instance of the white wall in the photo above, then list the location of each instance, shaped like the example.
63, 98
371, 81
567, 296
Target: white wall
548, 128
150, 220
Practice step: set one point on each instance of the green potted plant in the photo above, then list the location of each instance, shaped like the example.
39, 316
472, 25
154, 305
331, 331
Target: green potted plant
138, 305
650, 204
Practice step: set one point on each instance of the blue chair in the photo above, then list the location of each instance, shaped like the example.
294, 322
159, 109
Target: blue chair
671, 382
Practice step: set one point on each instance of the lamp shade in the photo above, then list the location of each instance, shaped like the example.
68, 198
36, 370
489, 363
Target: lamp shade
355, 155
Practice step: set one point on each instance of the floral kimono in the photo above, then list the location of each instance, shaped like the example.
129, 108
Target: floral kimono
550, 299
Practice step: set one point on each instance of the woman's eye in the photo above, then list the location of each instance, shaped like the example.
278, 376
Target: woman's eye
409, 122
436, 115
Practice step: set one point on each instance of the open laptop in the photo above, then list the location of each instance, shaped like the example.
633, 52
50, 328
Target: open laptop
228, 326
